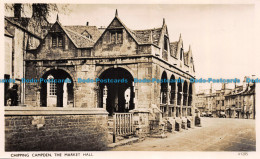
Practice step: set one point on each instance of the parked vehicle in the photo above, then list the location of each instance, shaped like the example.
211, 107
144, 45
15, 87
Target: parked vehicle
222, 115
209, 114
203, 114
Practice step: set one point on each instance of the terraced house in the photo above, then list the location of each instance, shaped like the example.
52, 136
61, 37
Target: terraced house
87, 116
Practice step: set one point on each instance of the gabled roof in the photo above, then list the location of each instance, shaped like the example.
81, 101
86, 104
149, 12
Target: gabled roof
250, 90
22, 21
17, 24
77, 39
140, 36
92, 30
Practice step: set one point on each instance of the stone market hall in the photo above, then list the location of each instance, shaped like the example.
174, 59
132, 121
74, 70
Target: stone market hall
89, 116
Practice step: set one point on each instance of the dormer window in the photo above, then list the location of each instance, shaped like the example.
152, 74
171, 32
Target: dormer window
86, 34
116, 37
181, 51
165, 43
57, 41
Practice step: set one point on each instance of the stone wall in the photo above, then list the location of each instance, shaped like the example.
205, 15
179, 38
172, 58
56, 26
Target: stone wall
53, 129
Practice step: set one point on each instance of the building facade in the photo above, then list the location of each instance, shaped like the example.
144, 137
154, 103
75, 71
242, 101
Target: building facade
240, 103
100, 77
20, 38
234, 103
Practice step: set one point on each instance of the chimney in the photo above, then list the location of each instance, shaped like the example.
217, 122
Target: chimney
223, 86
17, 10
210, 91
38, 10
87, 24
245, 83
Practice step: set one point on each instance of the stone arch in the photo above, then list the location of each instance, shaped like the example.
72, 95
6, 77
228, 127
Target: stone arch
116, 96
121, 66
64, 69
173, 89
179, 91
164, 88
185, 92
55, 96
190, 94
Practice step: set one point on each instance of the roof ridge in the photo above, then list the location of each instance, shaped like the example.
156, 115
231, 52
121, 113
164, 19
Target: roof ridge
148, 29
80, 26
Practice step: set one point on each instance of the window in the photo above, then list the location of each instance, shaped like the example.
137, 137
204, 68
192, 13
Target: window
113, 37
54, 41
51, 86
60, 41
52, 89
181, 54
57, 41
116, 37
165, 43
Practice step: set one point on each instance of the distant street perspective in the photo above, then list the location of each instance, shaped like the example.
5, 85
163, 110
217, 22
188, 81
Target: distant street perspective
216, 134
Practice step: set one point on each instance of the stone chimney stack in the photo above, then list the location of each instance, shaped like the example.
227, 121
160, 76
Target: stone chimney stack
39, 10
17, 10
223, 86
210, 91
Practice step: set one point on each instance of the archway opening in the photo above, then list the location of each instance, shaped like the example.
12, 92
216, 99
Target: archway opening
172, 95
164, 88
179, 92
190, 100
163, 94
179, 96
57, 90
173, 85
190, 95
117, 94
185, 91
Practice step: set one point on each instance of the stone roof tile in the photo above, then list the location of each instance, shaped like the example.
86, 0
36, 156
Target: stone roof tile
79, 40
92, 30
173, 48
144, 36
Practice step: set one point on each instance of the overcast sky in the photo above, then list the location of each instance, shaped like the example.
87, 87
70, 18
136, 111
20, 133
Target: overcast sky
221, 36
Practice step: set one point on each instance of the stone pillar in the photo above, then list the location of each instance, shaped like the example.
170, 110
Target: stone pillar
181, 100
105, 90
175, 103
187, 104
167, 100
38, 98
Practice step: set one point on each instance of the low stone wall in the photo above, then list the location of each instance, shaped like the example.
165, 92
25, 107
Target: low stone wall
55, 129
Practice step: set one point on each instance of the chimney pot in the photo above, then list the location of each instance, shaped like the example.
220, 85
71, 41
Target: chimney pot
87, 24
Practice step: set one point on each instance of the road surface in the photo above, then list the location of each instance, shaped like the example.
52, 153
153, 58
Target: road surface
216, 134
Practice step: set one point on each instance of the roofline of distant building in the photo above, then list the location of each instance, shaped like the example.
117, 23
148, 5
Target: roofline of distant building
22, 28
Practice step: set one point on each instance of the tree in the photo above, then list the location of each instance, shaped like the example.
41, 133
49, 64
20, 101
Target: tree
40, 12
39, 9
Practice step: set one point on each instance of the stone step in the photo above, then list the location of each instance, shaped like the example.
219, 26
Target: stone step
124, 142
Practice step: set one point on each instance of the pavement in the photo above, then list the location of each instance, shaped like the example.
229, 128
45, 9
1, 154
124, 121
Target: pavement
216, 134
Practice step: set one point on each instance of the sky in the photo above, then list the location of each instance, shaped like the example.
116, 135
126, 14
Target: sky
222, 36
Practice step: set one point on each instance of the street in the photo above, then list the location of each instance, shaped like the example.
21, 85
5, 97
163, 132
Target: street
216, 134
